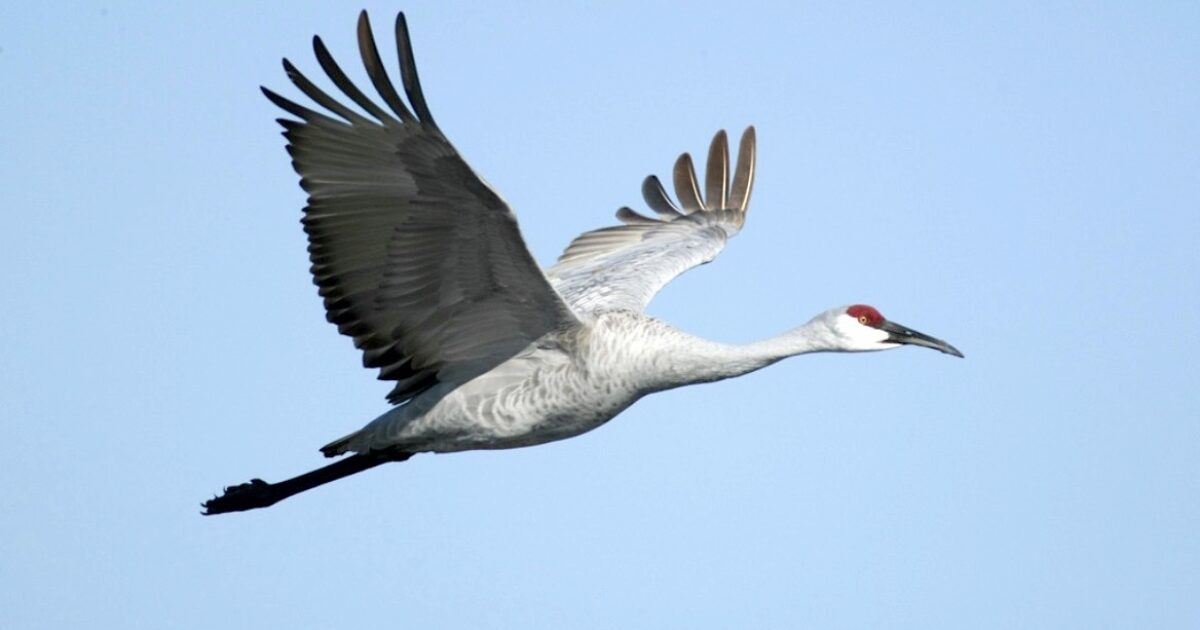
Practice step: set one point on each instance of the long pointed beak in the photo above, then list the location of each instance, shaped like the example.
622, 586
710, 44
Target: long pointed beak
900, 334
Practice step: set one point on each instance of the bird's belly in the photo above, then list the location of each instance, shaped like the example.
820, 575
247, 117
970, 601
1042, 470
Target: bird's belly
499, 412
530, 416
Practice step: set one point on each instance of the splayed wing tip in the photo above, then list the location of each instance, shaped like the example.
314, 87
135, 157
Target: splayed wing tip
724, 188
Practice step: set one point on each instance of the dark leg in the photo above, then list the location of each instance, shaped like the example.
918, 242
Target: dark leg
258, 493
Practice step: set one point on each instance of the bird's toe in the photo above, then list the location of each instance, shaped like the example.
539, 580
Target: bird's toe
255, 493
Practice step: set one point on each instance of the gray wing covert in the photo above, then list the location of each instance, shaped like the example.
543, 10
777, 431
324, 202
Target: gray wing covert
416, 257
624, 266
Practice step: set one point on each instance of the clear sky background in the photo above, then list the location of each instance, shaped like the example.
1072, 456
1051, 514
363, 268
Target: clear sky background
1020, 179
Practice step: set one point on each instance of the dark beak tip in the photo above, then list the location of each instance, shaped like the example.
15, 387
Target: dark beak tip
946, 348
903, 335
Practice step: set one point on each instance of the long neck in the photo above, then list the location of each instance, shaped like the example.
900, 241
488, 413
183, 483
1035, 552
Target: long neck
696, 360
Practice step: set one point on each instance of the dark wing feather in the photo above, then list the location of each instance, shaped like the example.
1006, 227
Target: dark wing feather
416, 257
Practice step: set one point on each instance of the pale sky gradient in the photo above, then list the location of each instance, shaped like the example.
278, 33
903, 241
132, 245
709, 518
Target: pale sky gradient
1018, 179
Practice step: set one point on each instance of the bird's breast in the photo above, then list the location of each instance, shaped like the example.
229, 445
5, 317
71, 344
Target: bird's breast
551, 392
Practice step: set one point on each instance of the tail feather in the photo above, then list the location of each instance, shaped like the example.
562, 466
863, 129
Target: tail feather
340, 446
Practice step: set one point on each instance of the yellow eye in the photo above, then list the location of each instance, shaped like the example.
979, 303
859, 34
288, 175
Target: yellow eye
862, 319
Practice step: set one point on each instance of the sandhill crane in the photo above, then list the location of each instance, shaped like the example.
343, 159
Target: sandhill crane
422, 264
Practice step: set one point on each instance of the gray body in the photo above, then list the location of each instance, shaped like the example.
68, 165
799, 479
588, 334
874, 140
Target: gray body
565, 384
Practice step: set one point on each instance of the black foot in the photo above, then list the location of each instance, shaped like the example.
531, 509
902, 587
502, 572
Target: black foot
246, 496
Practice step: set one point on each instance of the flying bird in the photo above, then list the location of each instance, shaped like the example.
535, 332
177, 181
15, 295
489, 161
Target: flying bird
422, 264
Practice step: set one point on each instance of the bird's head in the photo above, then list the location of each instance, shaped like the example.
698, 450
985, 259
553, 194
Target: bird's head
861, 328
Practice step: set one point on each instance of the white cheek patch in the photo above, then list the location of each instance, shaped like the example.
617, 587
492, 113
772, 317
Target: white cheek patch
872, 337
860, 337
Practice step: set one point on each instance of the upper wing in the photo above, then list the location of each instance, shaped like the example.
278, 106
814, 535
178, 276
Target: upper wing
624, 266
416, 257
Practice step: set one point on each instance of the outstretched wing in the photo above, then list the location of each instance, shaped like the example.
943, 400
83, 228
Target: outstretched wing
417, 258
624, 266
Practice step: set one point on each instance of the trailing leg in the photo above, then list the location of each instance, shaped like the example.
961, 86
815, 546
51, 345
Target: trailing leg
259, 494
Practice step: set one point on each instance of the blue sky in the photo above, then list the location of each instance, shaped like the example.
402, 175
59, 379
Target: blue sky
1019, 179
